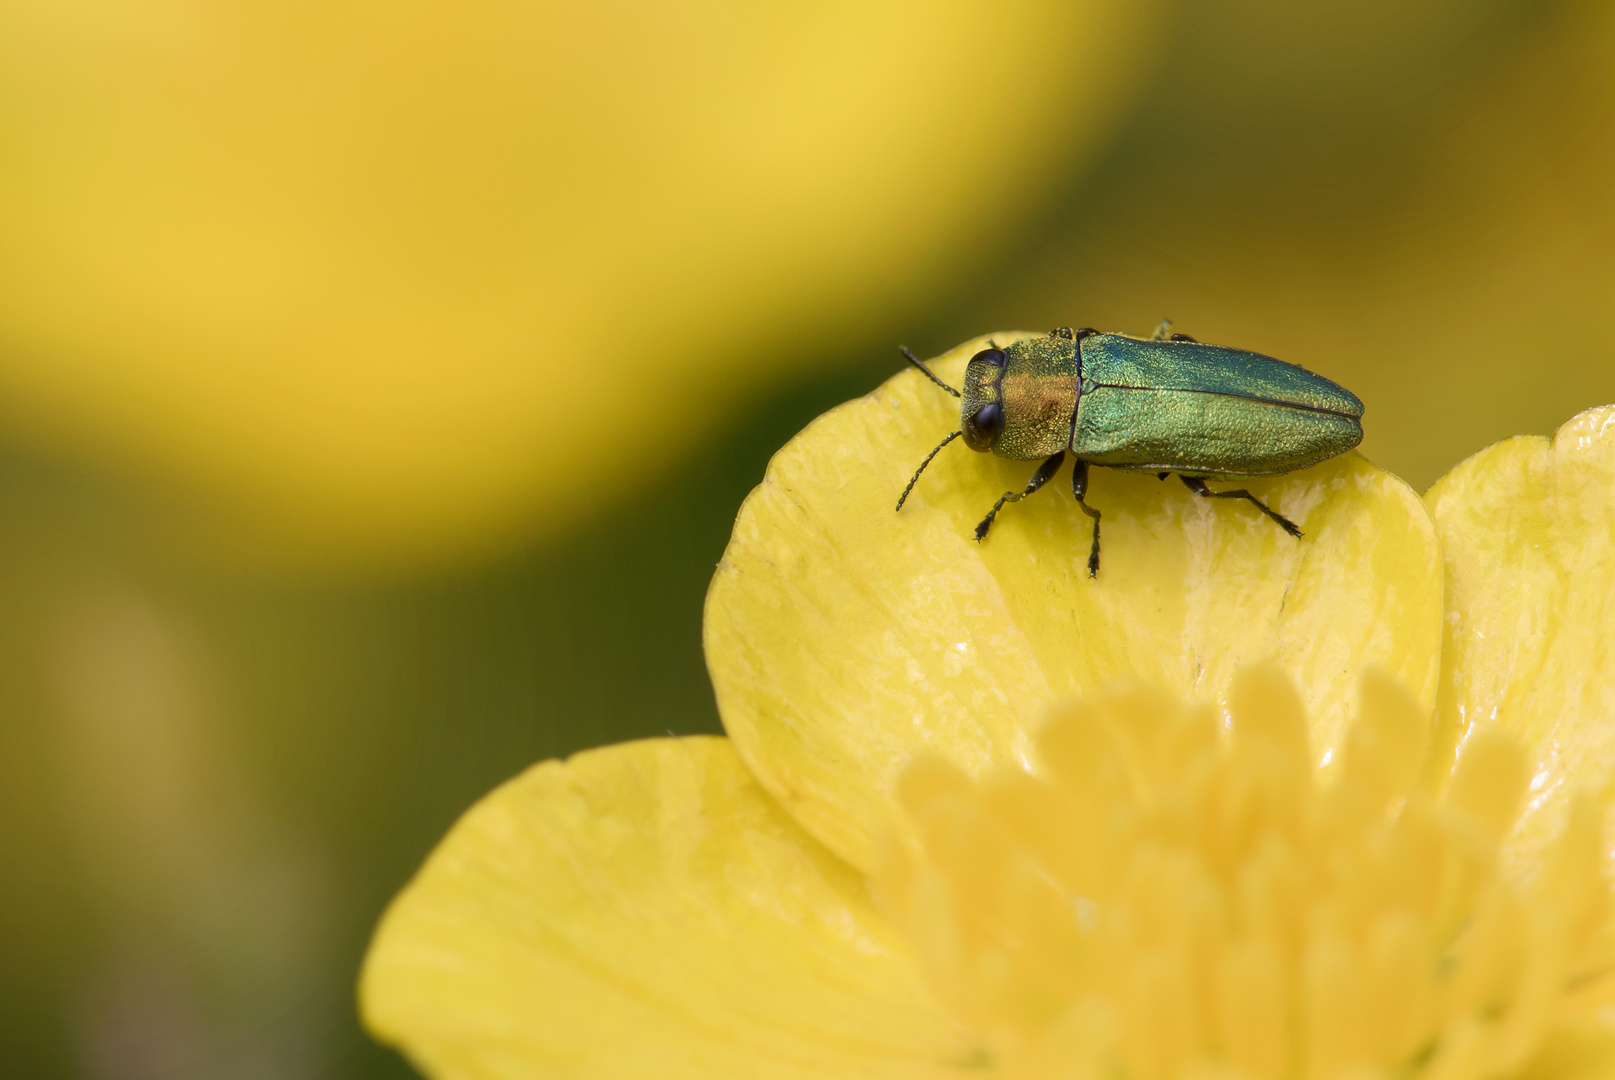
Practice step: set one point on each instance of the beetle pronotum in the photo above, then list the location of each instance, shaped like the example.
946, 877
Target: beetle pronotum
1163, 404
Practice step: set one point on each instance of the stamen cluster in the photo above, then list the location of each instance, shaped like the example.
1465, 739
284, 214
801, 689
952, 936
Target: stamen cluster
1162, 899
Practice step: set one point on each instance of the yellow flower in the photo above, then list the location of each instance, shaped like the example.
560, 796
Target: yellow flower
940, 840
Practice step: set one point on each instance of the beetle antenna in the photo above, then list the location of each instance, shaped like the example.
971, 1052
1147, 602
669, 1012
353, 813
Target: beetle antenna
929, 374
952, 435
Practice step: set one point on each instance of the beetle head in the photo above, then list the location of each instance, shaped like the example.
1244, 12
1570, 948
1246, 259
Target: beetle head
981, 408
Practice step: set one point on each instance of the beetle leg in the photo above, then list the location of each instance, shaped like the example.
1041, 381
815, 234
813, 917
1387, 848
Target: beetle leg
1044, 473
1198, 486
1079, 488
1162, 333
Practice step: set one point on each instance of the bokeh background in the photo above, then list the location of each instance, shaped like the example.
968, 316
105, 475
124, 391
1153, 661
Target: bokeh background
378, 383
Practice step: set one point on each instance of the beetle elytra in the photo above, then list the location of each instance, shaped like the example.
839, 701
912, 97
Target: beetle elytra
1164, 404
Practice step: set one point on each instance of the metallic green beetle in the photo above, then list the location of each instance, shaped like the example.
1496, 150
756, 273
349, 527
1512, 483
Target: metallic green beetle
1165, 404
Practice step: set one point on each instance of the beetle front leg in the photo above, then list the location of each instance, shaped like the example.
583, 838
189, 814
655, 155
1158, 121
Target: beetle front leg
1079, 488
1044, 473
1198, 486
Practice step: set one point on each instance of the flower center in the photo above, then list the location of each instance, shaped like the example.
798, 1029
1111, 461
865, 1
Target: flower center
1160, 900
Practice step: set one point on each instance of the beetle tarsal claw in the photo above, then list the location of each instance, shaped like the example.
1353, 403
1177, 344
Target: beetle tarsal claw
987, 522
1198, 486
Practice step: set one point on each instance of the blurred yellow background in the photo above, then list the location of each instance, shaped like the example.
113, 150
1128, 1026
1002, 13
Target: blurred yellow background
378, 384
392, 281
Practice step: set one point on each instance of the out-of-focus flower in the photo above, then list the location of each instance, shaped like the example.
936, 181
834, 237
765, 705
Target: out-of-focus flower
391, 280
1417, 892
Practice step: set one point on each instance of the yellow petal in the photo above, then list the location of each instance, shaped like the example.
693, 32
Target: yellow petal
645, 910
1528, 530
843, 638
407, 273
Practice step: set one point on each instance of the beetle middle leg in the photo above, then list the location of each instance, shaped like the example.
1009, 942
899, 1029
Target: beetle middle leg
1161, 334
1079, 488
1197, 485
1044, 473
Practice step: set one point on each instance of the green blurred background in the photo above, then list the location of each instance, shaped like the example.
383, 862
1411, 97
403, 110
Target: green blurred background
219, 757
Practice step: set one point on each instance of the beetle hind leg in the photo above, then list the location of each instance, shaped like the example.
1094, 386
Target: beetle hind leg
1079, 488
1044, 473
1198, 486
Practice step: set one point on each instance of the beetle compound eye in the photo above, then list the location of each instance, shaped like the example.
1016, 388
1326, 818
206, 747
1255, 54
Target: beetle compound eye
982, 428
995, 357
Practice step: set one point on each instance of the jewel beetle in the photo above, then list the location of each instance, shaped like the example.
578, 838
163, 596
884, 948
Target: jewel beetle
1163, 404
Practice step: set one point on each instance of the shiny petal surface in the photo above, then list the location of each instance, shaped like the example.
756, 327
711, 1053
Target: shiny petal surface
645, 910
1528, 531
843, 638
